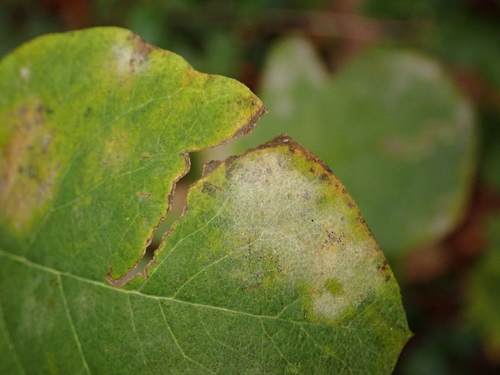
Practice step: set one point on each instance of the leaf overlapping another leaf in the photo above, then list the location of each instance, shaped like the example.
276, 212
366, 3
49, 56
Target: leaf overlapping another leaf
270, 270
390, 123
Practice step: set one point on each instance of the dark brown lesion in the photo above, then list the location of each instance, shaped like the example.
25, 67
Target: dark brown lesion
142, 50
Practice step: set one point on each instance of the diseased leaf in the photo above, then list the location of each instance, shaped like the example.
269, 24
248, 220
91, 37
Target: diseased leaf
390, 124
95, 129
270, 270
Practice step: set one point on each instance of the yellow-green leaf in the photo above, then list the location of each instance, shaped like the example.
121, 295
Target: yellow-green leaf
270, 270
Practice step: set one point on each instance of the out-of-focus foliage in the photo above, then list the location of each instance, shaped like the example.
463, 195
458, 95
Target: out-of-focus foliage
390, 124
490, 163
21, 21
212, 35
460, 32
483, 295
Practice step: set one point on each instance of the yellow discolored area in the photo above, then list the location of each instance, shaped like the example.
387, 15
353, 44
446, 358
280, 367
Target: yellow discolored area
27, 173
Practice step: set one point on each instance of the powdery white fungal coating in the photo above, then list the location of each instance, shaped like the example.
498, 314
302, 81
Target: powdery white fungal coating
25, 73
285, 214
128, 59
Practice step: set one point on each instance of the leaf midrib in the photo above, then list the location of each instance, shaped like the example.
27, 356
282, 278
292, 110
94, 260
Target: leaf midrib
301, 324
134, 292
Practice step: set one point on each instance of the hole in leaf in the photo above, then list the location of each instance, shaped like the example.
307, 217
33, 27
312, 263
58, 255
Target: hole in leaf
179, 200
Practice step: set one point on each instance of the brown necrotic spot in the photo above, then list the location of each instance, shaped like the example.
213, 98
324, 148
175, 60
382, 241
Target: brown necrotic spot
130, 57
141, 53
27, 170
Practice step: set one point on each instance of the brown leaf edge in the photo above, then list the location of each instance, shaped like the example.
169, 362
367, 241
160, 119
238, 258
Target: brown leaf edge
132, 272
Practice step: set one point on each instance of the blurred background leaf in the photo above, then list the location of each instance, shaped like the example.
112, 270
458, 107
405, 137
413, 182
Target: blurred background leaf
390, 124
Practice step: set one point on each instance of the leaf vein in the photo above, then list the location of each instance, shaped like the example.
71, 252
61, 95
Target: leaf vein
138, 293
182, 239
135, 331
276, 346
71, 324
177, 343
201, 271
328, 353
209, 335
10, 343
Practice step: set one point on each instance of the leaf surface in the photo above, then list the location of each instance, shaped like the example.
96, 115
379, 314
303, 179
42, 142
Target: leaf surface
95, 129
270, 270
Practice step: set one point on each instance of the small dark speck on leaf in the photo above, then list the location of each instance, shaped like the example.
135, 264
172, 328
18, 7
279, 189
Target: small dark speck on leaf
344, 191
88, 111
230, 166
48, 111
251, 287
388, 277
383, 267
209, 189
350, 204
144, 157
324, 177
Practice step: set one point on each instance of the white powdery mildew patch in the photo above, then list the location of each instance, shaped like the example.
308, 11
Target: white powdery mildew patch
25, 72
128, 60
282, 211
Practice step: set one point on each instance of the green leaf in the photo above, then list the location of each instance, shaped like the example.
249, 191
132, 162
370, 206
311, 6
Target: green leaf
270, 270
483, 302
391, 126
95, 130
